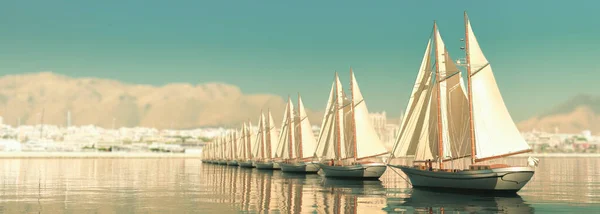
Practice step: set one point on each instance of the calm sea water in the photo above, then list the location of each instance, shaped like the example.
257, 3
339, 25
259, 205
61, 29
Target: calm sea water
562, 185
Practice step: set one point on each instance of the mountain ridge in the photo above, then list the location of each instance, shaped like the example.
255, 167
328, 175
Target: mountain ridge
581, 112
97, 101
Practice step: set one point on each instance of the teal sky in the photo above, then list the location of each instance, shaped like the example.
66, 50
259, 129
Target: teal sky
542, 51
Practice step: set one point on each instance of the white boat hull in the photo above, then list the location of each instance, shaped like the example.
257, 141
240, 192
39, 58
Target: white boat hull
506, 179
245, 164
264, 165
357, 171
302, 167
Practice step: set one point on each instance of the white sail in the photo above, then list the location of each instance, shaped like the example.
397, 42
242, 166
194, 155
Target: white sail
340, 125
368, 143
495, 132
411, 130
219, 148
283, 141
272, 135
227, 146
250, 141
419, 135
309, 142
261, 138
326, 139
257, 142
457, 117
454, 105
236, 145
440, 63
241, 143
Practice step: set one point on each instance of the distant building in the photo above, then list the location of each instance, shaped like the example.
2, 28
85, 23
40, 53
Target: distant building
386, 132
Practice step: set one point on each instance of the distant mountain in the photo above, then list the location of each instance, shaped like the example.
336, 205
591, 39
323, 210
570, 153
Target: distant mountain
97, 101
579, 113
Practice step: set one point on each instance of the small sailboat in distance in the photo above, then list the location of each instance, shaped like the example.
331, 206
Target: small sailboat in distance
222, 150
348, 146
446, 126
232, 149
245, 158
265, 141
297, 141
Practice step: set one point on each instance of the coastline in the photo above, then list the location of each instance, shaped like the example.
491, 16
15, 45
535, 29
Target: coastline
560, 155
14, 155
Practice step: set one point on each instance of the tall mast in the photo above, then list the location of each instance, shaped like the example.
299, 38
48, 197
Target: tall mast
262, 140
468, 58
268, 134
242, 140
439, 108
249, 140
353, 115
337, 121
289, 120
299, 143
234, 143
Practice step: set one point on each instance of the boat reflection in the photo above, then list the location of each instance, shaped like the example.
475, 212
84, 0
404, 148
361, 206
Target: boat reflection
439, 202
356, 187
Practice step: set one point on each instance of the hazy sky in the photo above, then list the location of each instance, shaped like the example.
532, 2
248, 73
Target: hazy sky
542, 51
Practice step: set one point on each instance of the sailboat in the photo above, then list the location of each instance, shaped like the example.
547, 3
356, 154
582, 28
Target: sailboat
245, 158
297, 141
445, 125
222, 151
348, 146
232, 149
265, 142
207, 153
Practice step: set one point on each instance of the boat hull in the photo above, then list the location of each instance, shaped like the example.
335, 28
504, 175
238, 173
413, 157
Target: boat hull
246, 164
232, 163
357, 171
302, 167
263, 165
506, 179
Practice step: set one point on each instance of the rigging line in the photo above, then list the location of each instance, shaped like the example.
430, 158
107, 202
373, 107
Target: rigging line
408, 181
451, 75
478, 70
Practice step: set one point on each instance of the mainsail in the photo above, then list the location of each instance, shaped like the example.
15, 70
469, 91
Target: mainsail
285, 139
306, 138
271, 137
495, 132
413, 127
366, 140
325, 148
341, 151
